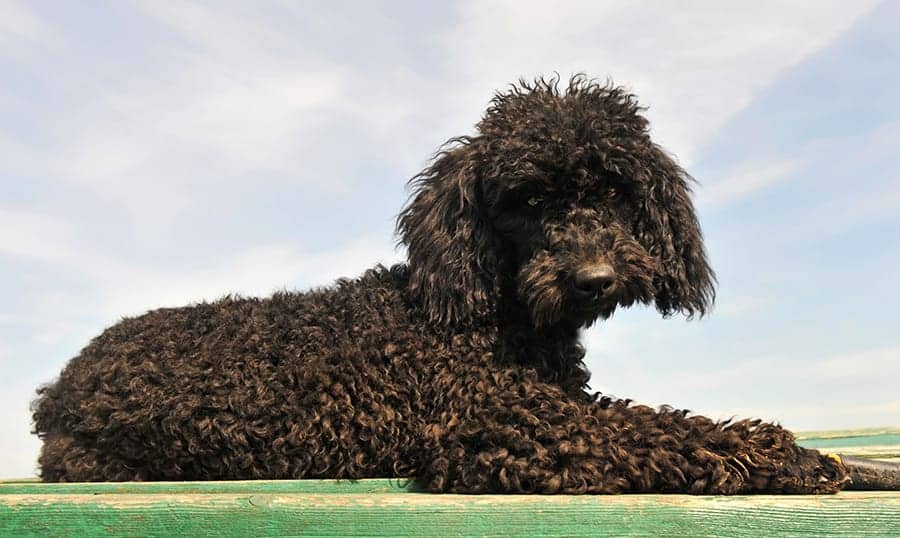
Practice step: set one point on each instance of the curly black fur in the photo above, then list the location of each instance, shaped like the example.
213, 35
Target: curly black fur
462, 368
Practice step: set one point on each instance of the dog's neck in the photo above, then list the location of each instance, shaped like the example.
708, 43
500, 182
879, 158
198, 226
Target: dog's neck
555, 352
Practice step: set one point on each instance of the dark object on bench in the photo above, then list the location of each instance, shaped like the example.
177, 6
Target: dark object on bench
866, 474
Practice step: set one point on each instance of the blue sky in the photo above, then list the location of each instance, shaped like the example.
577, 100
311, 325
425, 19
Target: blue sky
159, 153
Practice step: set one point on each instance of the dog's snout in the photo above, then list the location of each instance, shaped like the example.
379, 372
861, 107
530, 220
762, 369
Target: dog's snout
598, 279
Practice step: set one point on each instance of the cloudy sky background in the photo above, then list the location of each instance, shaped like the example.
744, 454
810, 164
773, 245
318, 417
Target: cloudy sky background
153, 154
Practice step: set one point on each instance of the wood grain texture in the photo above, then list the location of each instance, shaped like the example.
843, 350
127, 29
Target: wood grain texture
883, 445
853, 513
861, 432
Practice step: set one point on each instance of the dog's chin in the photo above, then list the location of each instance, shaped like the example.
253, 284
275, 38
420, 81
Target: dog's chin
589, 315
550, 304
585, 314
577, 315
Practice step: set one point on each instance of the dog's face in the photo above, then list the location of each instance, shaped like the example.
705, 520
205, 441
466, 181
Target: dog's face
569, 248
561, 204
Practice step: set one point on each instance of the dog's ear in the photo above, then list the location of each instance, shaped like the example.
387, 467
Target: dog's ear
452, 267
669, 230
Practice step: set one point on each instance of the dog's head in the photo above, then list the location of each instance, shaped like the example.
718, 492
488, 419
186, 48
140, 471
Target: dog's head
560, 203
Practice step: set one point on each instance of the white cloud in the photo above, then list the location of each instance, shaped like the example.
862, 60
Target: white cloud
130, 288
258, 271
149, 150
865, 156
241, 102
873, 205
694, 65
118, 287
880, 363
740, 305
33, 235
748, 180
846, 415
18, 448
17, 20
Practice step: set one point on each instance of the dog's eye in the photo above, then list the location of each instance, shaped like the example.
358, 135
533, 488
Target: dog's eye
535, 201
612, 193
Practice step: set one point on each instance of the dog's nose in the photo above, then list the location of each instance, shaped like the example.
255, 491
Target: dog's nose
597, 279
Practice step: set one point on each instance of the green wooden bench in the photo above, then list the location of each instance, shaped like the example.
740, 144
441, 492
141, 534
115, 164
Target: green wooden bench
387, 507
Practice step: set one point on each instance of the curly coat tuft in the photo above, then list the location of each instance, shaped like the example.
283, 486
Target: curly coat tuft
462, 368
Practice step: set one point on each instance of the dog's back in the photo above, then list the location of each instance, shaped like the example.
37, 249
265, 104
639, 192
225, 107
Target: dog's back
237, 388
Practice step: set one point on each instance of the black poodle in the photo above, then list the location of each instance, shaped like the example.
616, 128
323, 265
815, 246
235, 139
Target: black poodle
461, 368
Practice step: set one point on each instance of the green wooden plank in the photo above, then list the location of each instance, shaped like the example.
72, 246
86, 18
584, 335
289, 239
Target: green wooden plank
860, 432
871, 452
874, 446
852, 513
885, 439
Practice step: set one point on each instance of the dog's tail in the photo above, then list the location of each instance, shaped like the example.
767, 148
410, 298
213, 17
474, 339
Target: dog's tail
866, 474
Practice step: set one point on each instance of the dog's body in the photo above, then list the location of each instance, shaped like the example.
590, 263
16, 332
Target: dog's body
461, 368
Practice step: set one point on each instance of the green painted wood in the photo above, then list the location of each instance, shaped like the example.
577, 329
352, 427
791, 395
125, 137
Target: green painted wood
886, 439
876, 443
832, 434
851, 513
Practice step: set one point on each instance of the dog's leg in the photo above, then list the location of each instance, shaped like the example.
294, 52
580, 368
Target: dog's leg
747, 456
505, 431
511, 433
